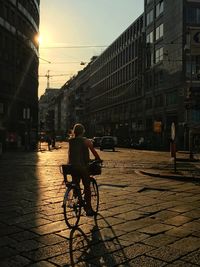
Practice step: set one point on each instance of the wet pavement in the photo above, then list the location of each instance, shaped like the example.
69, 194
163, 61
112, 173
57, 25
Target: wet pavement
144, 220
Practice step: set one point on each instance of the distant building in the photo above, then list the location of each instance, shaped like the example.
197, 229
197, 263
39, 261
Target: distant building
19, 22
47, 108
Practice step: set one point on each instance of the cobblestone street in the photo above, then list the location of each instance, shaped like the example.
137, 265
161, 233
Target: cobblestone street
142, 221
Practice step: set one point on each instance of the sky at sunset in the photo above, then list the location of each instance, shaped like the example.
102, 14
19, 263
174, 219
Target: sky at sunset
67, 27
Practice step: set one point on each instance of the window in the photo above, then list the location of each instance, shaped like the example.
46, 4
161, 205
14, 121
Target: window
193, 15
159, 54
159, 101
195, 115
149, 17
149, 59
159, 31
149, 124
159, 8
148, 104
158, 78
171, 98
193, 67
149, 38
148, 2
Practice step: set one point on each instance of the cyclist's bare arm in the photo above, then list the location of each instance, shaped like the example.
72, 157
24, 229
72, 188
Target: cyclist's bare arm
90, 146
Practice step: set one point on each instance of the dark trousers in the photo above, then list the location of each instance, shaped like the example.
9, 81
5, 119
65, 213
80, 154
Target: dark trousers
82, 173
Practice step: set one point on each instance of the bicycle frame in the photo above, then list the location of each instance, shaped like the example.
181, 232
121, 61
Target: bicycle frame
73, 200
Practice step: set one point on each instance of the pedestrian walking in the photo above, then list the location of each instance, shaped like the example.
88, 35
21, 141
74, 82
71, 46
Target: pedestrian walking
49, 142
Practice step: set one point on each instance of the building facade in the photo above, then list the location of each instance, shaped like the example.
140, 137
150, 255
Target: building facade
47, 110
171, 69
115, 87
148, 78
19, 22
146, 82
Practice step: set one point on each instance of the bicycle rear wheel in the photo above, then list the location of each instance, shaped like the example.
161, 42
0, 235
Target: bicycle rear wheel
72, 206
94, 194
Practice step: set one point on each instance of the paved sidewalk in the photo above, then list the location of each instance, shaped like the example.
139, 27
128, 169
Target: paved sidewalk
143, 221
183, 168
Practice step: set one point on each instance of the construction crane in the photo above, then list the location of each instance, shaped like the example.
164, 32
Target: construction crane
48, 76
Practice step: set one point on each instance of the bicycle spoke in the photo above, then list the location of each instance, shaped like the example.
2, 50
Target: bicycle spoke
72, 207
94, 195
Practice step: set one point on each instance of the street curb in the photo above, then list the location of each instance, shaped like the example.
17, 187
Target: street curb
169, 176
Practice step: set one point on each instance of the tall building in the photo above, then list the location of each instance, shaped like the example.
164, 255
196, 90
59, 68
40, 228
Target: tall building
172, 70
146, 84
19, 22
148, 79
115, 95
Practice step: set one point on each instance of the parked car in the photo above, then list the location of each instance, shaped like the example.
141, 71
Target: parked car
107, 142
96, 141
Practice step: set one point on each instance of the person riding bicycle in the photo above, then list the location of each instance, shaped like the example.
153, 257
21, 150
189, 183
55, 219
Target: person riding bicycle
79, 158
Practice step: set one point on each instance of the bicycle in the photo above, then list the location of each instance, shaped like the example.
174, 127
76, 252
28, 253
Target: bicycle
73, 201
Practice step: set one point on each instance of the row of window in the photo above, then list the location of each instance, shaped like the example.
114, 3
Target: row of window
123, 93
123, 76
154, 80
160, 100
193, 68
159, 34
31, 8
131, 34
15, 54
126, 111
17, 20
154, 57
125, 57
155, 13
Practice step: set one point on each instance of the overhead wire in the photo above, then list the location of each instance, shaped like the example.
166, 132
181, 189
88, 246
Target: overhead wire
75, 46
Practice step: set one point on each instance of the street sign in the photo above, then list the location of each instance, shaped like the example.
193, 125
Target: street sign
173, 131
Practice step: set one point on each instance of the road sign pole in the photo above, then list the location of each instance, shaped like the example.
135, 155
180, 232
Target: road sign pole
173, 144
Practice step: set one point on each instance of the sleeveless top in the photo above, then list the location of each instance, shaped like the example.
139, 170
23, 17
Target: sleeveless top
78, 152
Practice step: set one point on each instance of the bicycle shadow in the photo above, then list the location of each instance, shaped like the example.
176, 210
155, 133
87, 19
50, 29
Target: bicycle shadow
99, 247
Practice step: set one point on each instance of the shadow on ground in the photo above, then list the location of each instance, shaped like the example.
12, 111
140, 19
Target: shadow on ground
99, 247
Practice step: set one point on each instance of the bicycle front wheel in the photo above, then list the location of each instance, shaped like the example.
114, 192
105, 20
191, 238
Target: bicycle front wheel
72, 206
94, 194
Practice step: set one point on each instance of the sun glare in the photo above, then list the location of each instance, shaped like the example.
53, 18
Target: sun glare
38, 39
